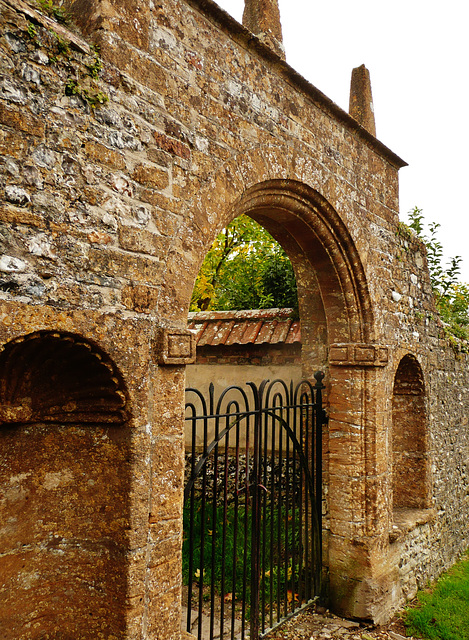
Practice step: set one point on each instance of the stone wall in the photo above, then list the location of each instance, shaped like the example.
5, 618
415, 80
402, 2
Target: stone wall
428, 542
119, 166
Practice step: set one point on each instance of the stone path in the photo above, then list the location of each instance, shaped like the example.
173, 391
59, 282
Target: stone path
320, 623
315, 623
206, 625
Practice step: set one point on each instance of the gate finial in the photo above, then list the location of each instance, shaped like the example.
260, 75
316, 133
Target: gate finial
262, 17
361, 100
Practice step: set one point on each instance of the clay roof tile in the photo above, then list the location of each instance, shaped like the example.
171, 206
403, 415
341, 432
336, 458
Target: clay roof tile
261, 326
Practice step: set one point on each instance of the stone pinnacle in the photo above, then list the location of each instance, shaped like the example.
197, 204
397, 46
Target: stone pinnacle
262, 17
361, 100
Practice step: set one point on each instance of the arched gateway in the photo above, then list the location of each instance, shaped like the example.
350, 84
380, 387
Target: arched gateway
337, 326
338, 331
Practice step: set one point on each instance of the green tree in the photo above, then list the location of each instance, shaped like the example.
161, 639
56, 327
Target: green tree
451, 296
245, 269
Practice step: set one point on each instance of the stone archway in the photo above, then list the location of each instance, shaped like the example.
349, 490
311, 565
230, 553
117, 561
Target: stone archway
338, 328
322, 251
66, 487
336, 312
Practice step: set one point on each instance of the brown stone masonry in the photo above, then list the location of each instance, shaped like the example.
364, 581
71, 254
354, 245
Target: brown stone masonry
127, 142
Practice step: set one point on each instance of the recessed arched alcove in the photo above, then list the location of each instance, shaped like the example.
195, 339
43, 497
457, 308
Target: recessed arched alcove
410, 481
65, 478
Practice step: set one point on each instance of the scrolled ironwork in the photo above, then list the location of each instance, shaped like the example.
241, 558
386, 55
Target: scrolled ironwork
253, 504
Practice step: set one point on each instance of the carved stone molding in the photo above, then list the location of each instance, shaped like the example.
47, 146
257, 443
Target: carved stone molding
358, 355
175, 347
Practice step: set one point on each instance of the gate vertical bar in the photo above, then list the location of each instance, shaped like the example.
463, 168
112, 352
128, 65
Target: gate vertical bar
256, 512
320, 421
214, 524
203, 517
191, 522
235, 525
308, 531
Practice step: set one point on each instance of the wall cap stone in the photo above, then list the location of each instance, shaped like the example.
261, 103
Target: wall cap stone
358, 355
49, 23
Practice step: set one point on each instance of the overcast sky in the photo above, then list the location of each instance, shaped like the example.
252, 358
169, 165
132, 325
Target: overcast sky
418, 56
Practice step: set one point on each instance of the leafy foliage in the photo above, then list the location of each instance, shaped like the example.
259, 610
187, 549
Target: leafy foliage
54, 10
452, 296
442, 612
245, 269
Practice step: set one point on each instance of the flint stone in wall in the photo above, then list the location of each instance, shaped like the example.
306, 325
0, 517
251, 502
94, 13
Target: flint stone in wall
15, 43
122, 185
17, 195
40, 246
40, 57
70, 166
9, 264
141, 216
31, 75
44, 157
121, 140
32, 177
109, 117
35, 289
13, 92
11, 167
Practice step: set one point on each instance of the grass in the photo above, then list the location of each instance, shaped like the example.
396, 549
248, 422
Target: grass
442, 612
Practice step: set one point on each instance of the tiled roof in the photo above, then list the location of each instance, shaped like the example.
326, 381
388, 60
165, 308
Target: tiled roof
271, 326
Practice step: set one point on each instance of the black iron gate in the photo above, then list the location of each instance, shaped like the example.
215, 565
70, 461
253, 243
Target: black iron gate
252, 507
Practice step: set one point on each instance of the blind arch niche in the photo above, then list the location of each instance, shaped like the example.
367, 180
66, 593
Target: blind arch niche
59, 378
409, 437
65, 478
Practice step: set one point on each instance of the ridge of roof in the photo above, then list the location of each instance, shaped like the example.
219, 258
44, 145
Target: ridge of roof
243, 314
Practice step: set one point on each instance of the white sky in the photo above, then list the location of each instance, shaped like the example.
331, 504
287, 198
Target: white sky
417, 52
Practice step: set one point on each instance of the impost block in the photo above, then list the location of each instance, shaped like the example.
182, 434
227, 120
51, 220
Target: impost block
358, 355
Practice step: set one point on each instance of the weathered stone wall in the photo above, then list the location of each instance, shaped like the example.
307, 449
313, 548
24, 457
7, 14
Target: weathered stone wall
117, 172
428, 542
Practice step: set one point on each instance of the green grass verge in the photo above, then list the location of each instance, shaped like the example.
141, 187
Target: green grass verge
442, 612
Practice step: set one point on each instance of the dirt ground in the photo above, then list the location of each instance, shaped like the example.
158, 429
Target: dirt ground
321, 623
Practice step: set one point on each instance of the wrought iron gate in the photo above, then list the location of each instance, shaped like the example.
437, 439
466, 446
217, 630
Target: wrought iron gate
252, 507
